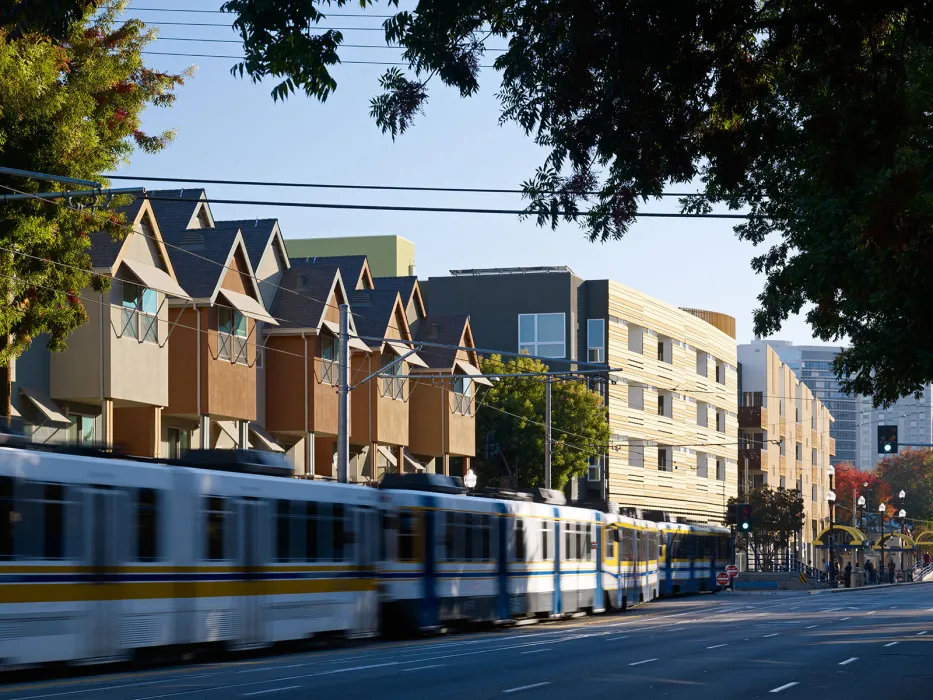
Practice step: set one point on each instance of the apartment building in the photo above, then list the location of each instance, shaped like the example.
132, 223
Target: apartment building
671, 390
785, 436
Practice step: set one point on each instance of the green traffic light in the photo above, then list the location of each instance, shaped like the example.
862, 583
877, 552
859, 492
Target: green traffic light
887, 448
744, 526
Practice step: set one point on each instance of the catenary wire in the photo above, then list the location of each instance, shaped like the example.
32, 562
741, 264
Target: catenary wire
221, 12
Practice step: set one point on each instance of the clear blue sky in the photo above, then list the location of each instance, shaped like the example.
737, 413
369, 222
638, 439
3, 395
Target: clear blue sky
229, 128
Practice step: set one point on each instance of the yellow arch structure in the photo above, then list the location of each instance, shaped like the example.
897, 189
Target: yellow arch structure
858, 537
925, 539
906, 541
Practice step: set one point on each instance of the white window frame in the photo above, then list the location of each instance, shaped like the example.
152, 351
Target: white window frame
533, 346
137, 322
597, 344
232, 345
594, 469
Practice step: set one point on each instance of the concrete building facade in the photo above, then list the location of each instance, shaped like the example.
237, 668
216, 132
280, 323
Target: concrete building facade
912, 416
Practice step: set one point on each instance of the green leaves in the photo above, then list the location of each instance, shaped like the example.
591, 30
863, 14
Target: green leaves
776, 515
510, 417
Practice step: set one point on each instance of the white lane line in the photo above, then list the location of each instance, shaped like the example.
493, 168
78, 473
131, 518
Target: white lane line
527, 687
421, 668
271, 690
848, 661
891, 644
844, 619
811, 627
784, 687
717, 646
920, 633
257, 670
774, 634
624, 636
639, 663
535, 651
98, 689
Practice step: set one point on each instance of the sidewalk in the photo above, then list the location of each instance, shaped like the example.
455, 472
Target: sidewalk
869, 588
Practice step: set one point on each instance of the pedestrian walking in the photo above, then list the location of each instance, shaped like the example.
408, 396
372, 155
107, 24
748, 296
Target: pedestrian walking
848, 574
891, 568
926, 559
870, 572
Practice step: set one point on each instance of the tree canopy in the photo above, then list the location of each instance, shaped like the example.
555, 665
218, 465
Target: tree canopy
910, 471
850, 480
510, 426
810, 117
776, 515
71, 106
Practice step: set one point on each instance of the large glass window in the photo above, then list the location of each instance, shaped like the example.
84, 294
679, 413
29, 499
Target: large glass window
140, 312
393, 381
542, 334
595, 340
231, 336
463, 391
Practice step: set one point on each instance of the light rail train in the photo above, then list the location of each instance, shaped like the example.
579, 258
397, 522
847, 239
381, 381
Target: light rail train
106, 559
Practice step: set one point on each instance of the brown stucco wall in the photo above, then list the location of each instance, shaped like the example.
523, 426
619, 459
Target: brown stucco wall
284, 377
182, 359
428, 407
138, 430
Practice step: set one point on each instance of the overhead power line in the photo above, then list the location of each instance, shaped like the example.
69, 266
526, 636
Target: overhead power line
394, 47
313, 28
243, 58
337, 186
221, 12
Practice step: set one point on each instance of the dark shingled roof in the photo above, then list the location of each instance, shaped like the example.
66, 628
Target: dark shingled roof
199, 256
308, 280
403, 285
351, 267
104, 249
447, 330
174, 216
256, 234
372, 312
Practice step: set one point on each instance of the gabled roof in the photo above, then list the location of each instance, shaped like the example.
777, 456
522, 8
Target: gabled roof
354, 269
104, 248
261, 236
304, 294
443, 330
407, 287
374, 311
181, 212
202, 257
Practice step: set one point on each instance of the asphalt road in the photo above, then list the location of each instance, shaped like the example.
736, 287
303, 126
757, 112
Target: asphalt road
837, 646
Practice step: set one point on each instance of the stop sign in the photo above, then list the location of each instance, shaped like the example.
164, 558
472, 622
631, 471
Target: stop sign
732, 570
722, 578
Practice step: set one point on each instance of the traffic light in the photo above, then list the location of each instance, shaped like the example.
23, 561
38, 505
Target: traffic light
743, 516
887, 439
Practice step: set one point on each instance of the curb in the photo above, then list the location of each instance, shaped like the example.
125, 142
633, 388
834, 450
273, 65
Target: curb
869, 588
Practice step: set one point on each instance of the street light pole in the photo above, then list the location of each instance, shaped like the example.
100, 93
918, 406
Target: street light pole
861, 506
881, 510
831, 497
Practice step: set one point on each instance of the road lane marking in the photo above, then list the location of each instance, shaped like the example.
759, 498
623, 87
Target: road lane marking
717, 646
527, 687
625, 636
273, 690
421, 668
891, 644
784, 687
775, 634
919, 633
811, 627
848, 661
535, 651
639, 663
844, 619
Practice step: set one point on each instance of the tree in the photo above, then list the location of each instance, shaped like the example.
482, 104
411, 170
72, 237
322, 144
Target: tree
848, 480
912, 472
810, 117
67, 108
776, 515
510, 417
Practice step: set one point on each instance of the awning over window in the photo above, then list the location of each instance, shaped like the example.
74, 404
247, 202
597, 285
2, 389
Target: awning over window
387, 453
355, 343
46, 406
248, 306
154, 278
230, 428
473, 373
400, 350
261, 439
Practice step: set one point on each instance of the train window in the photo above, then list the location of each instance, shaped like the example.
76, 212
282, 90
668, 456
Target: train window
519, 539
147, 525
7, 517
283, 527
338, 533
628, 545
545, 539
608, 536
450, 536
568, 542
54, 526
311, 548
406, 536
588, 543
468, 534
487, 538
215, 514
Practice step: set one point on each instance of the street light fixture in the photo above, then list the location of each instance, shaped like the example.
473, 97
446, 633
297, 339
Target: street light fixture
469, 479
831, 497
861, 506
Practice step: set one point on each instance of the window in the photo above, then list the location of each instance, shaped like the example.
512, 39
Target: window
636, 339
542, 334
636, 397
665, 350
328, 360
720, 469
283, 527
179, 442
702, 468
463, 390
214, 517
147, 525
663, 461
231, 336
311, 532
720, 372
393, 384
702, 414
546, 534
702, 363
662, 410
595, 340
339, 534
593, 471
798, 451
813, 455
406, 536
53, 529
85, 429
721, 421
519, 539
813, 493
485, 530
7, 517
781, 446
140, 312
636, 453
783, 483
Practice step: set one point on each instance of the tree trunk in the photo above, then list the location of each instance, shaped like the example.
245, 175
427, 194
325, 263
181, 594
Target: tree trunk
6, 398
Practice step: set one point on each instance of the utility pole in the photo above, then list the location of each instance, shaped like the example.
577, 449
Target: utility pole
343, 396
547, 432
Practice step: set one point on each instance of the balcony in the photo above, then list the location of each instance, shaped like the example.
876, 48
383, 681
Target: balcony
757, 458
752, 414
831, 444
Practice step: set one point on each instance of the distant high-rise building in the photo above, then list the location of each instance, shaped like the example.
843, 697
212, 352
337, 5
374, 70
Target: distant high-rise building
813, 364
912, 416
